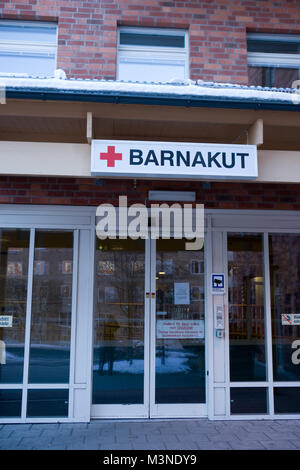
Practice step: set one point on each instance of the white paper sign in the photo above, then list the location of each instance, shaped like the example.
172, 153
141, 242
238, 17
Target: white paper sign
181, 293
179, 160
6, 321
179, 329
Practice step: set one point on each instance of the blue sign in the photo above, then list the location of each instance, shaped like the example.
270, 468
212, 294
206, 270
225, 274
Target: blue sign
218, 283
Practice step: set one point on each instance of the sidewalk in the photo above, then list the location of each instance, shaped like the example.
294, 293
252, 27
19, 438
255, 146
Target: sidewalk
199, 434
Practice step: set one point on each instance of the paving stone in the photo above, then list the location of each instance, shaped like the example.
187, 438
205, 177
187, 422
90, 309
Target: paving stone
5, 434
215, 446
283, 445
246, 445
18, 427
149, 435
188, 445
272, 435
114, 446
296, 443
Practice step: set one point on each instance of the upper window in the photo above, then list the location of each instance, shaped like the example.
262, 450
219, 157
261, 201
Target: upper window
273, 60
152, 55
28, 47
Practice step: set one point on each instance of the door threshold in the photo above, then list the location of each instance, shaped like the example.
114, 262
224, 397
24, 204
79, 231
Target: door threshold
147, 420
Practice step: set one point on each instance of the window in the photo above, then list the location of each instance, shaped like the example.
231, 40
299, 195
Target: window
273, 60
152, 55
28, 47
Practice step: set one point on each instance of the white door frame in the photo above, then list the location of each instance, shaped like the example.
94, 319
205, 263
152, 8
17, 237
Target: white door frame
81, 221
262, 222
149, 409
136, 410
166, 410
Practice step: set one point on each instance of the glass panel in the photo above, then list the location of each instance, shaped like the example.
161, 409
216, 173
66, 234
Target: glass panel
286, 400
27, 63
285, 304
10, 403
284, 76
248, 400
47, 403
180, 343
246, 307
118, 369
273, 46
27, 47
13, 293
24, 31
160, 40
51, 307
279, 77
150, 69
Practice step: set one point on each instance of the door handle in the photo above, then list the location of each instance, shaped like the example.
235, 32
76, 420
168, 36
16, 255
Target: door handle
147, 295
153, 295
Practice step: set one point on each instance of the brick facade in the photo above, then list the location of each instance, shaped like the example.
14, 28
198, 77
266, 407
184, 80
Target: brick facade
217, 28
85, 192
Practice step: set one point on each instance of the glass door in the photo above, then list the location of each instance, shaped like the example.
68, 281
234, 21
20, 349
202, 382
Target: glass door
149, 340
177, 380
121, 303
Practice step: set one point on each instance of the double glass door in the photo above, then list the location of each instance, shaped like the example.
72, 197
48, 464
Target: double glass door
149, 331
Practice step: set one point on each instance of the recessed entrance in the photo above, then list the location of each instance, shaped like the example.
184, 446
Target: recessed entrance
149, 329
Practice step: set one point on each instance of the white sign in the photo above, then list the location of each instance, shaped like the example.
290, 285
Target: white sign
179, 329
181, 293
290, 319
6, 321
218, 283
122, 158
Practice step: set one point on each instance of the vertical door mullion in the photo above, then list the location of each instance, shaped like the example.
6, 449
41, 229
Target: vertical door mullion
268, 325
152, 324
28, 323
147, 314
209, 338
227, 332
73, 321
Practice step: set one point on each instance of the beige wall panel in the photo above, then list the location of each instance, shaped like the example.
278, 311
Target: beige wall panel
62, 159
40, 158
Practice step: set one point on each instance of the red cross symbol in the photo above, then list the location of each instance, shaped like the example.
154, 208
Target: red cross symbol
111, 156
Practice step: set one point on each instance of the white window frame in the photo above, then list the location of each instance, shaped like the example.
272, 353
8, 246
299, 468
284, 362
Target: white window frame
267, 59
81, 221
263, 222
158, 54
35, 49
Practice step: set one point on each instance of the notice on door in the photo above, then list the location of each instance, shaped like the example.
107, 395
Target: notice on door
181, 293
6, 321
290, 319
179, 329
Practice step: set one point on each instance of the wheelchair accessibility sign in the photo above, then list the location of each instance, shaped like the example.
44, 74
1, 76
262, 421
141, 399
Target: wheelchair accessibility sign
218, 283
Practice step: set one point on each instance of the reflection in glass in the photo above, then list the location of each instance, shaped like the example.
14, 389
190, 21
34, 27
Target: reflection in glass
51, 307
285, 300
10, 403
279, 77
248, 400
246, 307
13, 292
47, 403
118, 368
180, 344
286, 399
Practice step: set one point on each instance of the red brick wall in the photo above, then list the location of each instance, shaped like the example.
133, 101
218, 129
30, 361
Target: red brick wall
217, 28
84, 191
